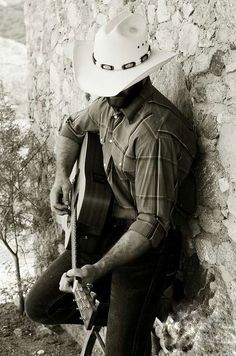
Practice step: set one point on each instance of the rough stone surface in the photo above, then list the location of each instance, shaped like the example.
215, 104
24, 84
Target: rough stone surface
188, 39
201, 81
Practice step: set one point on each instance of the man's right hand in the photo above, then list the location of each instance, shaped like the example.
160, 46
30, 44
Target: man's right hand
60, 195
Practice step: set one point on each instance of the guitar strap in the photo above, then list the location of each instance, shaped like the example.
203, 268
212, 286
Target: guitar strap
74, 240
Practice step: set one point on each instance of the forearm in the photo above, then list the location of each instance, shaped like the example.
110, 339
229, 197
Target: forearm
67, 151
130, 246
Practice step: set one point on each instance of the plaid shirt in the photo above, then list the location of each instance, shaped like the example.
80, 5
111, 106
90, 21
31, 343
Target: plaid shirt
148, 148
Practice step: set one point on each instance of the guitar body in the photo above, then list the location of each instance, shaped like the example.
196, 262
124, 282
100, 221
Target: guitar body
91, 192
90, 202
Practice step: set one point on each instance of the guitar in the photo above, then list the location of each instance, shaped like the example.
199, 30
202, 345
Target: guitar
90, 201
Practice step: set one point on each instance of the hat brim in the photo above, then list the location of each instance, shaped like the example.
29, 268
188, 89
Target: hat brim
101, 82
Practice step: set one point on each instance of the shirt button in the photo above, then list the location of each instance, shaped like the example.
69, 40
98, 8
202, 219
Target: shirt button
110, 140
101, 140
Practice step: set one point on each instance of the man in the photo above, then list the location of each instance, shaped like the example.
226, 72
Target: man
148, 149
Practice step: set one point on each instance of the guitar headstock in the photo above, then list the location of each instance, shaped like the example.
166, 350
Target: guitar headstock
86, 302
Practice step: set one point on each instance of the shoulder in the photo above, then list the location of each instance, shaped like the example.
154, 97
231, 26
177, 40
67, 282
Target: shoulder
96, 108
161, 117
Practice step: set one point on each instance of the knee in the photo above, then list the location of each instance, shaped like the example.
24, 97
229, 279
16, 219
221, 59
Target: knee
34, 310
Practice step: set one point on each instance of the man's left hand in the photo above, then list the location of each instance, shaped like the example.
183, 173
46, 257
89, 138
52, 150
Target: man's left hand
88, 274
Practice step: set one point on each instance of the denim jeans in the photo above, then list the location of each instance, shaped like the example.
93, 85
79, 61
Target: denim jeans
131, 291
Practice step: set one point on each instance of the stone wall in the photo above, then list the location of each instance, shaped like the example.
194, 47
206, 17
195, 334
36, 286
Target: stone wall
202, 81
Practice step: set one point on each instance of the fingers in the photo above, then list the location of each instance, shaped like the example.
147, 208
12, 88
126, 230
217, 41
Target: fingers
65, 284
66, 189
60, 197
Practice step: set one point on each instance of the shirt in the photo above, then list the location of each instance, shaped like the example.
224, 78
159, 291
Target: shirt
148, 148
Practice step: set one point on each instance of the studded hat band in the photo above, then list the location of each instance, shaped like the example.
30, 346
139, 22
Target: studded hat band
124, 66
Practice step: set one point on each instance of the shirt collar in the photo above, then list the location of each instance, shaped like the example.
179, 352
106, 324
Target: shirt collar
130, 110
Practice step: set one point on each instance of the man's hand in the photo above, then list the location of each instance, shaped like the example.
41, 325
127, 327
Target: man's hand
60, 195
88, 274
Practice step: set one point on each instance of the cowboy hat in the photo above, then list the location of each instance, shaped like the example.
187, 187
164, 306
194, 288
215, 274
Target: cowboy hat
119, 56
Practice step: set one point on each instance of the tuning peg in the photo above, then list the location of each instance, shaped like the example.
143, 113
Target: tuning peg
89, 286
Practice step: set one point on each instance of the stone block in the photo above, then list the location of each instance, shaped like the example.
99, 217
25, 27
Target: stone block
227, 148
101, 19
72, 15
224, 184
151, 14
188, 39
205, 145
230, 224
217, 63
188, 9
208, 222
177, 19
201, 63
215, 92
232, 204
205, 251
194, 227
167, 39
207, 124
227, 257
163, 13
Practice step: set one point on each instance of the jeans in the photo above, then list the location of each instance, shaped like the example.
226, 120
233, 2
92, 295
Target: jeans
132, 293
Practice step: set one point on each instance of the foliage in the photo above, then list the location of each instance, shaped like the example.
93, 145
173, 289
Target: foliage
25, 166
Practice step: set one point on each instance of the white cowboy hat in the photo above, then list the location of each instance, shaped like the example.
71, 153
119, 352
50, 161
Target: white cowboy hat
119, 57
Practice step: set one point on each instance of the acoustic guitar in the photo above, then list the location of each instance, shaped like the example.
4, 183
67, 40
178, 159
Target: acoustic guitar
90, 201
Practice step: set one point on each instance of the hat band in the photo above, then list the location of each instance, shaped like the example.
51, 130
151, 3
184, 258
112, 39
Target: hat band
124, 66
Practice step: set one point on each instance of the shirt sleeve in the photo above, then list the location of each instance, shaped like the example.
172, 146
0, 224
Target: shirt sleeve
155, 186
77, 124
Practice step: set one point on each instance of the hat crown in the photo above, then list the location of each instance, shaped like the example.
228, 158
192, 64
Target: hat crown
123, 40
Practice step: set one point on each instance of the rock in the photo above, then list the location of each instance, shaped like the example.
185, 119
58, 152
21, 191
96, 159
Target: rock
194, 227
226, 257
206, 145
101, 19
18, 332
215, 92
206, 38
208, 223
188, 39
42, 331
224, 185
199, 93
205, 251
151, 13
188, 9
217, 64
230, 224
232, 204
230, 67
163, 14
72, 15
177, 18
207, 124
201, 63
227, 148
166, 37
40, 352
